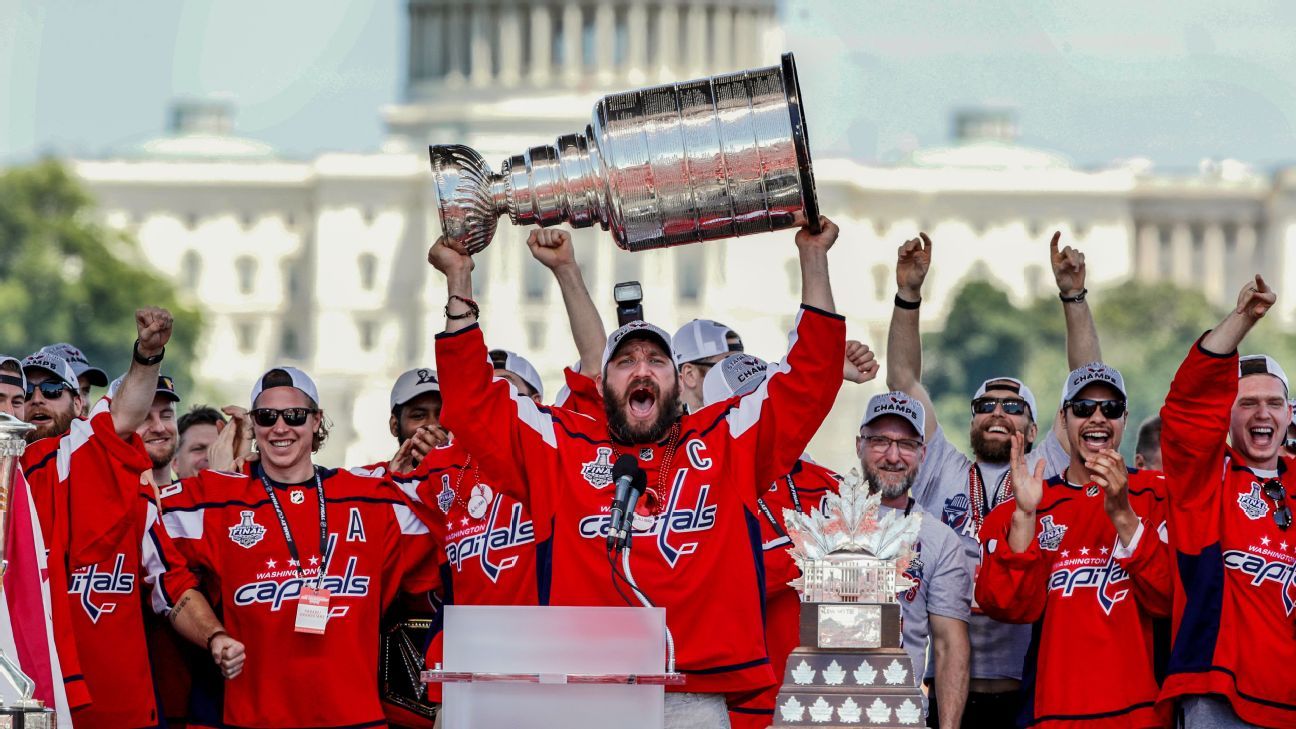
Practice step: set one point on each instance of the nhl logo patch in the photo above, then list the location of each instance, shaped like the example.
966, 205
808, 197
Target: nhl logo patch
1050, 536
645, 454
598, 472
446, 496
1252, 504
297, 496
246, 533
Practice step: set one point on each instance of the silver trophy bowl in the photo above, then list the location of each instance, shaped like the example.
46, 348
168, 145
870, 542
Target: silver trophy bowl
703, 160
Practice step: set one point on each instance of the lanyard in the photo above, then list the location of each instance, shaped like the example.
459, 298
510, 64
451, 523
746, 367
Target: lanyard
292, 545
796, 506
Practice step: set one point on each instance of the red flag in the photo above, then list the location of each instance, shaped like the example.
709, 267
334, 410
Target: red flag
26, 627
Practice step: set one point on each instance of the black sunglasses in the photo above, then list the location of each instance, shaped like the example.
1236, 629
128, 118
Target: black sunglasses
294, 417
1010, 405
1111, 409
49, 389
1274, 489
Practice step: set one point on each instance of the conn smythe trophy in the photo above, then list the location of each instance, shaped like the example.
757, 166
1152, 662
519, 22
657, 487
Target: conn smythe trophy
851, 669
25, 712
714, 158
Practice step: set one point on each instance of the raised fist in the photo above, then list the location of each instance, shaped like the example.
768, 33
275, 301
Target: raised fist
153, 328
1255, 299
828, 232
913, 259
447, 258
552, 247
1068, 267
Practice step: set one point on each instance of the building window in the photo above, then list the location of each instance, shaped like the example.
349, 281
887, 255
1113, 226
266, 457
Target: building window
292, 279
558, 52
1165, 257
880, 287
190, 270
627, 266
689, 273
535, 281
290, 219
621, 39
367, 214
654, 31
368, 265
480, 277
246, 220
589, 39
246, 333
1034, 281
368, 331
191, 221
288, 343
245, 267
535, 331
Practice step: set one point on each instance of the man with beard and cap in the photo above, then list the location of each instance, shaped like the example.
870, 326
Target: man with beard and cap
87, 375
1082, 556
86, 484
963, 490
159, 432
1233, 657
695, 532
13, 387
936, 610
802, 489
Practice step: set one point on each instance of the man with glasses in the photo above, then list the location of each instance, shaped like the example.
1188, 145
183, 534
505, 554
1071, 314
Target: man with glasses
1082, 555
963, 490
1233, 659
937, 608
87, 374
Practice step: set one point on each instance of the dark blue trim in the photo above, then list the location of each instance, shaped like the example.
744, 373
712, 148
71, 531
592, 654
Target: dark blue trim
1198, 346
544, 566
1241, 694
1090, 717
745, 710
821, 312
1202, 578
1030, 673
378, 723
725, 669
450, 335
258, 504
40, 464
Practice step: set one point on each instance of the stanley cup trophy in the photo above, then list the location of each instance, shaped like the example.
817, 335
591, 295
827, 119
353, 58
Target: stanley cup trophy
851, 669
681, 163
25, 712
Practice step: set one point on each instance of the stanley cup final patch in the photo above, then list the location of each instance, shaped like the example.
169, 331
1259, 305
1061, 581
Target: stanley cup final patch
247, 532
598, 472
1050, 535
1252, 504
446, 497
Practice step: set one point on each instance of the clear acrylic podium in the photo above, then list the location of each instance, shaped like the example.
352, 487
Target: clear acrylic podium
553, 667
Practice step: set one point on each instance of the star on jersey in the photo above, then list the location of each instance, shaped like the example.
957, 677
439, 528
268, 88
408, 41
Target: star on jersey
314, 561
1066, 553
270, 564
294, 563
1264, 541
1103, 550
1283, 546
1084, 550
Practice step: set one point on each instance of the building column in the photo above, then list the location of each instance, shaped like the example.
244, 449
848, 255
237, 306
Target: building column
481, 45
434, 39
1181, 254
745, 40
571, 42
510, 45
541, 42
456, 38
722, 55
694, 55
637, 43
1214, 265
1147, 243
605, 41
668, 50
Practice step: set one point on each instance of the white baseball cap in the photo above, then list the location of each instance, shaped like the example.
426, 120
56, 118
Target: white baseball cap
300, 380
21, 376
513, 362
899, 404
736, 375
635, 330
703, 338
53, 364
1009, 383
1262, 364
413, 383
1085, 375
80, 365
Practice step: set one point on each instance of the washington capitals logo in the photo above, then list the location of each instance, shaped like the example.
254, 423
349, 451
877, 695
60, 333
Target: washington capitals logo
88, 581
1253, 505
1261, 570
598, 472
674, 520
1050, 536
914, 572
247, 532
955, 513
494, 539
1110, 580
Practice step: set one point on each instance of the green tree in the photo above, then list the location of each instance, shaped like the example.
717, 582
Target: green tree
65, 278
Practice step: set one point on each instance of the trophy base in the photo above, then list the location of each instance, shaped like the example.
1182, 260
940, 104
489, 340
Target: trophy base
858, 688
26, 717
850, 625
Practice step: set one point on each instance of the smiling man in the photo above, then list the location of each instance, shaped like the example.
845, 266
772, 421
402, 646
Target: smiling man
1233, 660
159, 432
696, 534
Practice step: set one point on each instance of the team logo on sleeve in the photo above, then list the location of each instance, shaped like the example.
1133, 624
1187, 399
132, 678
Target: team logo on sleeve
247, 532
955, 513
445, 497
598, 472
1050, 536
1253, 505
915, 573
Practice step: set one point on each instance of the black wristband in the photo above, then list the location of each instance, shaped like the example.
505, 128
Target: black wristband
473, 310
1078, 298
903, 304
212, 637
146, 361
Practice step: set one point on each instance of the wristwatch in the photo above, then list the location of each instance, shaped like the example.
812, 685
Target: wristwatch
146, 361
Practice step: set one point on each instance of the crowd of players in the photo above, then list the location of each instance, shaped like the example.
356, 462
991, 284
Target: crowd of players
1054, 585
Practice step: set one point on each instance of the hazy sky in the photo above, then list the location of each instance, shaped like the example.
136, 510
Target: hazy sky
1096, 81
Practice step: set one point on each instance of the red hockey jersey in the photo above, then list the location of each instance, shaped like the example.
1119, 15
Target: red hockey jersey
376, 546
697, 548
1235, 569
1091, 600
801, 490
84, 485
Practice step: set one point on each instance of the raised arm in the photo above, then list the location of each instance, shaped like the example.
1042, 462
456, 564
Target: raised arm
1254, 301
553, 248
816, 289
1069, 273
904, 343
130, 404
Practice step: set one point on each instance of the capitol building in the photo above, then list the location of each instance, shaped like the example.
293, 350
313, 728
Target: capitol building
320, 263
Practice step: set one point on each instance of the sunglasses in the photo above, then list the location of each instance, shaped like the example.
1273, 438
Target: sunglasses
1282, 515
293, 417
49, 390
1010, 405
1111, 409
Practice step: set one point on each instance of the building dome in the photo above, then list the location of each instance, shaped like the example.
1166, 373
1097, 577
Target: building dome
986, 139
199, 130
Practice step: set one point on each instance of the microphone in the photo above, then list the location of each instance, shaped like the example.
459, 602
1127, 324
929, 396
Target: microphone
637, 488
623, 474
